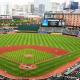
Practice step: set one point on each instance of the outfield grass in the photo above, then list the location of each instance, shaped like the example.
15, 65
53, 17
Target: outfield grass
63, 42
72, 44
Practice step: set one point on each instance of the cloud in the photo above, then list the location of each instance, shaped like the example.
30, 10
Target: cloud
15, 1
20, 1
26, 1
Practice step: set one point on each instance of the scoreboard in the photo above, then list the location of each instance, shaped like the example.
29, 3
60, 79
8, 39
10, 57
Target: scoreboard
52, 23
45, 23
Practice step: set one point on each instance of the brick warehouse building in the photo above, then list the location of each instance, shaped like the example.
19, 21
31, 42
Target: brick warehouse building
72, 20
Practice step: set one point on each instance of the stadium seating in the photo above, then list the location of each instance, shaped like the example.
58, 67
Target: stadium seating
3, 30
70, 32
61, 78
51, 29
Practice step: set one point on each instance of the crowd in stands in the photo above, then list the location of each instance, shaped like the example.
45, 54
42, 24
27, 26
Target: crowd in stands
4, 78
61, 78
4, 30
67, 31
72, 73
51, 29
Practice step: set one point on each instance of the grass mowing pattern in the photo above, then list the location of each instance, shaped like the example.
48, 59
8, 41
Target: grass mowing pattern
62, 42
67, 43
20, 56
43, 68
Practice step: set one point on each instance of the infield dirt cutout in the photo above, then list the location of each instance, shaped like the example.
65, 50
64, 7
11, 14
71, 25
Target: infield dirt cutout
54, 51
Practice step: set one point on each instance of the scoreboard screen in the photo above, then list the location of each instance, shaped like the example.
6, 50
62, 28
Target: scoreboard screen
45, 23
53, 23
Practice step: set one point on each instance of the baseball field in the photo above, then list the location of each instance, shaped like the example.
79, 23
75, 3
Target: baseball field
47, 52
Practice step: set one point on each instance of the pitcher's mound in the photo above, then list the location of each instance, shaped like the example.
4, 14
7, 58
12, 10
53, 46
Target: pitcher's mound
28, 56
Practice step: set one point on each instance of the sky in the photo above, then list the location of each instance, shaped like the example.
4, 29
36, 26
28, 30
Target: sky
27, 1
11, 3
